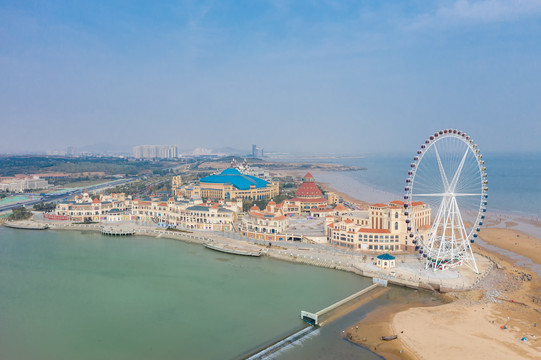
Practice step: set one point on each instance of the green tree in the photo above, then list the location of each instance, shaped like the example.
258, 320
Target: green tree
19, 213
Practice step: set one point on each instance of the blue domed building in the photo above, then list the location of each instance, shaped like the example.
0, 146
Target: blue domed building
232, 184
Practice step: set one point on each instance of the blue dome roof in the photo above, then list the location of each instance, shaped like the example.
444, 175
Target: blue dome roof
234, 177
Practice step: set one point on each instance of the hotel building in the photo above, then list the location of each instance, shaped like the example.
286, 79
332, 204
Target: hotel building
381, 228
231, 184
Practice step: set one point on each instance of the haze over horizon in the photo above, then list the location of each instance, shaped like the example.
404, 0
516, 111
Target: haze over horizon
292, 76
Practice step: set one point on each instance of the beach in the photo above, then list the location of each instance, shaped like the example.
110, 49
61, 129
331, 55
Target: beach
464, 323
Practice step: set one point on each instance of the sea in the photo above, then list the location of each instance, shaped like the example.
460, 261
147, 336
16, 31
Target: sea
82, 295
513, 179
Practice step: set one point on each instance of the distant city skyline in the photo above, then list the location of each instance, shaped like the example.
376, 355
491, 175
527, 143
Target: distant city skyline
293, 76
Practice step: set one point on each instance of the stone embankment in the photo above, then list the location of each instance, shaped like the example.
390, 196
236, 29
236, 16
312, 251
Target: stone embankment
410, 271
26, 225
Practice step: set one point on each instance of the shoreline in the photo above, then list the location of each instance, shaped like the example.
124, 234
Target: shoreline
512, 240
477, 312
413, 318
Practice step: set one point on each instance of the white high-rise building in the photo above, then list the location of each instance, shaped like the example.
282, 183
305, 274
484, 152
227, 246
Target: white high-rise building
155, 152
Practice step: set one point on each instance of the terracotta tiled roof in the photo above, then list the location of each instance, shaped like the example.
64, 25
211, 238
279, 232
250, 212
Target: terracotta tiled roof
348, 221
308, 176
308, 200
417, 203
96, 201
308, 189
379, 205
397, 202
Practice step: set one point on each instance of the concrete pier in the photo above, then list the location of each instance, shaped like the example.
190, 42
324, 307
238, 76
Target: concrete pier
315, 317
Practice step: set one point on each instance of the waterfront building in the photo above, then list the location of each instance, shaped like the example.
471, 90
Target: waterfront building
269, 224
231, 184
320, 211
386, 261
381, 228
308, 195
187, 214
20, 183
84, 208
155, 152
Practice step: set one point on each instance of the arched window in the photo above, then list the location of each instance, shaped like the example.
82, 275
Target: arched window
396, 215
396, 225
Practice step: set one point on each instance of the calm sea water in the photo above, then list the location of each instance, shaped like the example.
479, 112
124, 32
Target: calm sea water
514, 184
72, 295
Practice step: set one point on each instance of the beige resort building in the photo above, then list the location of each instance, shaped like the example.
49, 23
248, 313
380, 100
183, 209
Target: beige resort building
269, 224
381, 228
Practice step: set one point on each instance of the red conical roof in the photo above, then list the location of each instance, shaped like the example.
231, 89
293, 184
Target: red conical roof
308, 190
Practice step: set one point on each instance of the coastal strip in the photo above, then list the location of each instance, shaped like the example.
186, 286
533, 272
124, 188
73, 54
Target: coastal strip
314, 256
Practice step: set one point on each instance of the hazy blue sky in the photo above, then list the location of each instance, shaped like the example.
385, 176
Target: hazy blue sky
314, 76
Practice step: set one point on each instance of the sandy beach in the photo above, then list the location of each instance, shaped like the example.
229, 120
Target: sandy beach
473, 319
464, 324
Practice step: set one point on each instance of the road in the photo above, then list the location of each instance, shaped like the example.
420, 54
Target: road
52, 198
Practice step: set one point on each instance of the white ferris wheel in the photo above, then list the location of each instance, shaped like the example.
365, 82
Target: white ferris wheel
448, 175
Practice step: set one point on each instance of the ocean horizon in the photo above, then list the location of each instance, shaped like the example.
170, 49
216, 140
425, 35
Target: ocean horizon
512, 178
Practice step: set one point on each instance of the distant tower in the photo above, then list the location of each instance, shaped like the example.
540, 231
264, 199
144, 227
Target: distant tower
71, 150
257, 152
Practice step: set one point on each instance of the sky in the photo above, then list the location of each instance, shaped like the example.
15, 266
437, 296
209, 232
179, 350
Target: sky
292, 76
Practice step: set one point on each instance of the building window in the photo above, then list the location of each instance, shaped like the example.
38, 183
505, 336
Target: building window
396, 225
396, 215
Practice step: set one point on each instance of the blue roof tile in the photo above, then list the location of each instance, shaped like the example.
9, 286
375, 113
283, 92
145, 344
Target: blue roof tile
235, 178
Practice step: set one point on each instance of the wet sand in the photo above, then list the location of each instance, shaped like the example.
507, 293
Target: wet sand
472, 319
470, 324
515, 241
